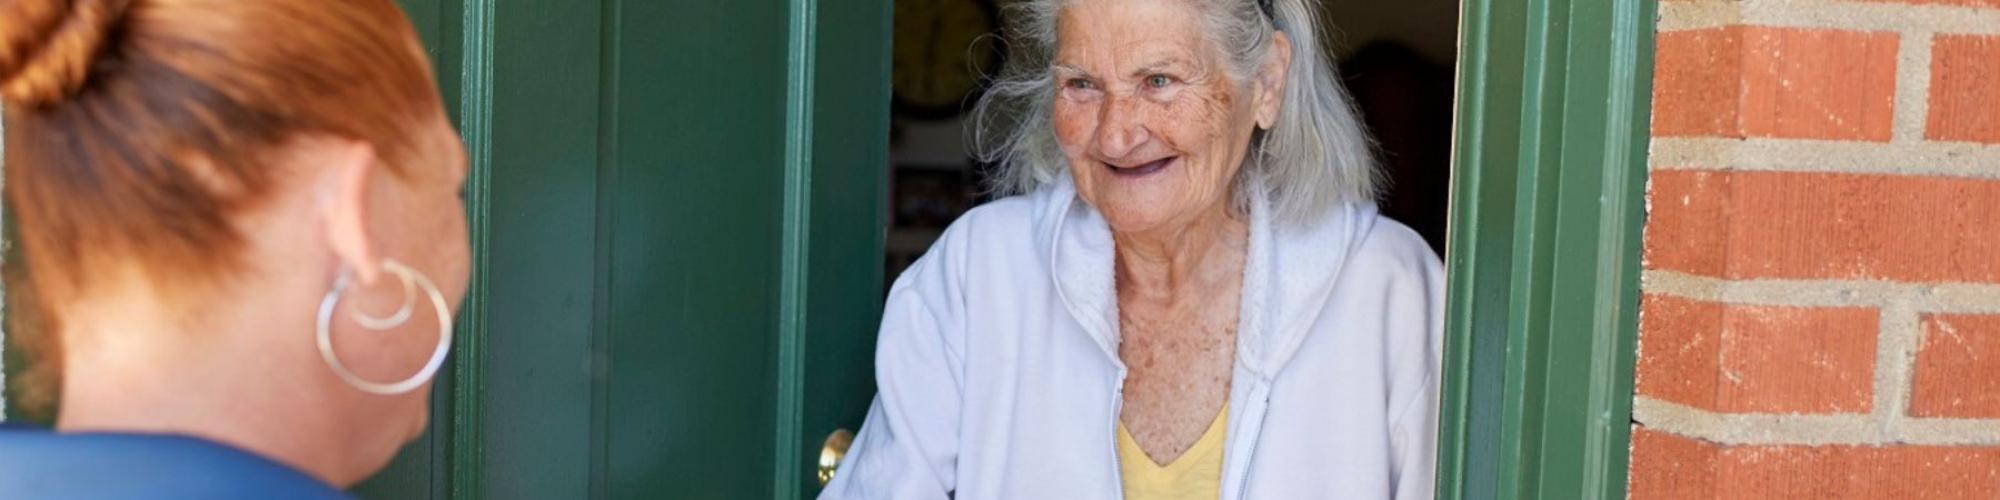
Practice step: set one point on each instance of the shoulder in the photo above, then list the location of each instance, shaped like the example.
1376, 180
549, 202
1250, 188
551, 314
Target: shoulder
1002, 229
1392, 271
994, 236
1007, 219
41, 464
1392, 247
927, 306
1397, 268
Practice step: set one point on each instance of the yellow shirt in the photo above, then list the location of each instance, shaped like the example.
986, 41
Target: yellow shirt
1195, 475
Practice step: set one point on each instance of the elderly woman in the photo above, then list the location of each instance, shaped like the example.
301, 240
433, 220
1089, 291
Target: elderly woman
242, 224
1192, 297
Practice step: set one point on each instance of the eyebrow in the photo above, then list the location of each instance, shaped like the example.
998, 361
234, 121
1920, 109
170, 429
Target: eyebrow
1143, 70
1155, 66
1065, 68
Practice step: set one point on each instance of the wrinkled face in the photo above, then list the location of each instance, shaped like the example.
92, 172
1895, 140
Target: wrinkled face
1153, 125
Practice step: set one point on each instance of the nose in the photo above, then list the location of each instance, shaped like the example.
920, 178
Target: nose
1120, 129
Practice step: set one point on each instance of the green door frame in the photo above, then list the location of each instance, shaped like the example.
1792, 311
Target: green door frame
1548, 192
837, 150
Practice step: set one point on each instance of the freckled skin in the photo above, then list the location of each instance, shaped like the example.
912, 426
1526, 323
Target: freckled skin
1124, 121
1140, 84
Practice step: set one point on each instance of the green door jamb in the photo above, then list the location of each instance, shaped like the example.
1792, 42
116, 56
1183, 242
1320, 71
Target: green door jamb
1550, 162
837, 126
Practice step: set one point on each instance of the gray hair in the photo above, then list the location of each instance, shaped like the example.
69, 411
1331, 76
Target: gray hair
1314, 156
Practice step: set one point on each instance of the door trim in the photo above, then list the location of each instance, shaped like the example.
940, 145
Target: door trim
834, 221
1554, 100
475, 105
802, 18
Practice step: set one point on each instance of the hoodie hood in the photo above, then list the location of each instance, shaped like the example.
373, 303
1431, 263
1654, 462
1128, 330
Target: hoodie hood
1289, 271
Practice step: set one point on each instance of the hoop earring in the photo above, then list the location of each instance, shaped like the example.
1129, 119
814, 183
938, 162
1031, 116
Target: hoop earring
412, 279
402, 315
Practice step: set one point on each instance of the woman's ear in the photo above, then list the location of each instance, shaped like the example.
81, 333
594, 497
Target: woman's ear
346, 167
1271, 81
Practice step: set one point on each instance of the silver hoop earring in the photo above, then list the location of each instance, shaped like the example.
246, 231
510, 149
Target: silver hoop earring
412, 280
402, 315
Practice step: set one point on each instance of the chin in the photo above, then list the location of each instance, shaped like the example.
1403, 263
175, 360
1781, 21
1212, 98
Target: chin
368, 467
1148, 201
1131, 208
1124, 218
381, 449
383, 446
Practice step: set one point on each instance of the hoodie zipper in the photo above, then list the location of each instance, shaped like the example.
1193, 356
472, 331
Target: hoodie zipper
1258, 404
1263, 414
1117, 463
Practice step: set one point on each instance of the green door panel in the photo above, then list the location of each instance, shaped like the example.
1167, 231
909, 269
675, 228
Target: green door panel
533, 386
698, 137
677, 228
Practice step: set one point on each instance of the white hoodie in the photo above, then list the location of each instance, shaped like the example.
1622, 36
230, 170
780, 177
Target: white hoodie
1000, 378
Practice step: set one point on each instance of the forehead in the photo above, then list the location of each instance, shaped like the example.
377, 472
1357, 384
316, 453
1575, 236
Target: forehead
1103, 35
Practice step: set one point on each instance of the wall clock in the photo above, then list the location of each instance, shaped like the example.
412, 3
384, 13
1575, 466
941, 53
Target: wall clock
939, 59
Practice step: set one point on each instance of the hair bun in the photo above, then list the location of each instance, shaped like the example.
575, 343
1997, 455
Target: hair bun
47, 46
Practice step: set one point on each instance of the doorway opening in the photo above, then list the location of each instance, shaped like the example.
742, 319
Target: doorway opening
1395, 58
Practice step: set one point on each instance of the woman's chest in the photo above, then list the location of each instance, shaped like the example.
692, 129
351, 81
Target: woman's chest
1179, 365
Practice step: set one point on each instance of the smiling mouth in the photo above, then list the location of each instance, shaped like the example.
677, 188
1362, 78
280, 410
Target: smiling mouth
1144, 169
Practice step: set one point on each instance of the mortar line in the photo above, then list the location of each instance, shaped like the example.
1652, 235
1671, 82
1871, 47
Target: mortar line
1771, 429
1895, 359
1918, 298
1913, 86
1687, 16
1831, 14
1927, 158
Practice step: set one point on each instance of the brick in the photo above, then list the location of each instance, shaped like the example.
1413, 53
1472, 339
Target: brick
1822, 472
1669, 466
1696, 83
1763, 359
1958, 368
1756, 81
1688, 221
1794, 225
1965, 98
1679, 350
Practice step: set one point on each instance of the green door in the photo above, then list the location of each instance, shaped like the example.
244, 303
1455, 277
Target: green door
677, 227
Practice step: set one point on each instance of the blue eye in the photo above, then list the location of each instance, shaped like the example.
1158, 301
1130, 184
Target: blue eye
1159, 81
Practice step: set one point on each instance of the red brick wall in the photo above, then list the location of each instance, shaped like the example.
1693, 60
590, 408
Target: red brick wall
1822, 289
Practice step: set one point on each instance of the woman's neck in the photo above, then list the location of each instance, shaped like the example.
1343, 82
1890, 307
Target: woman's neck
1202, 254
132, 367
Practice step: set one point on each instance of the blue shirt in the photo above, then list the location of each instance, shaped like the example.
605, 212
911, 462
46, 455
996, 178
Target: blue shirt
36, 463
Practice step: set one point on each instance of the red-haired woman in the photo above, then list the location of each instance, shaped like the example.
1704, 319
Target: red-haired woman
242, 227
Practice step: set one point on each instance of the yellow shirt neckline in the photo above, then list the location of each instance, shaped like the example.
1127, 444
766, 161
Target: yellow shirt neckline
1197, 473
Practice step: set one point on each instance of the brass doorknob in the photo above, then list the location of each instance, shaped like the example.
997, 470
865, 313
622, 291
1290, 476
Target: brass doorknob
831, 454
